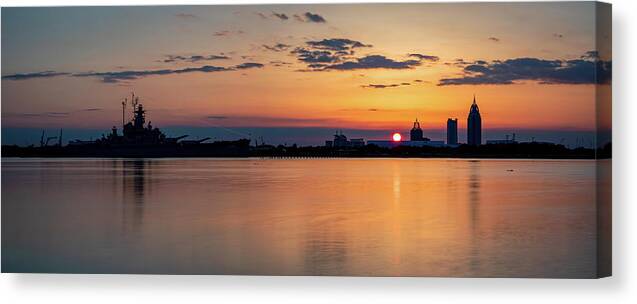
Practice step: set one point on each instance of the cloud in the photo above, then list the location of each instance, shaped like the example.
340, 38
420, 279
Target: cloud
57, 114
249, 65
217, 117
373, 62
337, 44
458, 62
339, 54
306, 17
384, 86
315, 56
425, 57
34, 115
588, 69
226, 33
316, 18
115, 77
185, 16
310, 18
278, 47
25, 76
331, 50
281, 16
193, 58
279, 63
557, 35
494, 39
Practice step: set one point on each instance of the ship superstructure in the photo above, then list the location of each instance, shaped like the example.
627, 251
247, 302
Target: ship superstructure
137, 131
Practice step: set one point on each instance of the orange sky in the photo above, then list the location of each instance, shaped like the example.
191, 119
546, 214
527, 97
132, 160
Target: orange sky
285, 91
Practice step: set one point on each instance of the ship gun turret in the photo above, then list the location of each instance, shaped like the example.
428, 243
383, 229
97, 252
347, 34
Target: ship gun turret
193, 142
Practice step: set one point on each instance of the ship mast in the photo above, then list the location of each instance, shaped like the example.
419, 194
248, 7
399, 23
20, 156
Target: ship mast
124, 112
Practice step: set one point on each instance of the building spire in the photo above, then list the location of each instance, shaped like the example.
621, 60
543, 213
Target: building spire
474, 98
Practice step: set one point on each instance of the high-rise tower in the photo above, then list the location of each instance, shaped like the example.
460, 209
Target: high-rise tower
474, 125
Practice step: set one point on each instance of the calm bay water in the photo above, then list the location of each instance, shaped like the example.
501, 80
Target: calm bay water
378, 217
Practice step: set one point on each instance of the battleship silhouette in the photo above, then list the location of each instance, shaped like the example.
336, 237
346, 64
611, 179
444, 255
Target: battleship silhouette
138, 139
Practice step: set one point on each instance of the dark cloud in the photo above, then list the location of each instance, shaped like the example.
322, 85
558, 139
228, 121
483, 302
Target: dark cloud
185, 16
316, 18
373, 62
337, 44
494, 39
425, 57
384, 86
327, 51
278, 47
115, 77
588, 69
248, 65
217, 117
193, 58
339, 54
91, 110
557, 35
281, 16
24, 76
307, 17
315, 56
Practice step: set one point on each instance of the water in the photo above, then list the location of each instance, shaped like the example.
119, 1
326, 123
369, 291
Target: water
377, 217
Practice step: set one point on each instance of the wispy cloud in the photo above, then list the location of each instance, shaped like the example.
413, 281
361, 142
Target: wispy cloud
193, 58
425, 57
226, 33
117, 76
277, 47
281, 16
279, 63
384, 86
306, 17
494, 39
25, 76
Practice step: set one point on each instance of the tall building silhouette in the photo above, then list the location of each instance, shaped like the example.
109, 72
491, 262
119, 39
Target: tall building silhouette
416, 132
474, 125
452, 131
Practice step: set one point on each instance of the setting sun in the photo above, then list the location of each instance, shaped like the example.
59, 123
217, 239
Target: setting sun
396, 137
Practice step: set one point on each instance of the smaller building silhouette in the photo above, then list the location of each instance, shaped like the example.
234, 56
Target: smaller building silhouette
452, 131
341, 141
416, 132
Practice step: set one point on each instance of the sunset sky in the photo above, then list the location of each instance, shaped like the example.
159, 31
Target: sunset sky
296, 73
